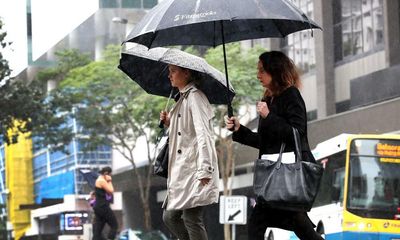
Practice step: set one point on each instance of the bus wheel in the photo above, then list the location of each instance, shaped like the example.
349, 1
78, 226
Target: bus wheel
321, 229
270, 236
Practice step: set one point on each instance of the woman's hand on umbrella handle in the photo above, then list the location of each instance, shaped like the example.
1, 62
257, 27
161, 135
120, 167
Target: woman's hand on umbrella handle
232, 123
164, 118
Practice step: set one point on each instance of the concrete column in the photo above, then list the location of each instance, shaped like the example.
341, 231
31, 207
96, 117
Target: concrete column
51, 85
275, 44
391, 12
73, 39
100, 34
324, 54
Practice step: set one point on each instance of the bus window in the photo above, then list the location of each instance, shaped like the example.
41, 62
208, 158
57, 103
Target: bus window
331, 187
338, 185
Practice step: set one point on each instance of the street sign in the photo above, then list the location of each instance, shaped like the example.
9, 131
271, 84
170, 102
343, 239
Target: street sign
233, 210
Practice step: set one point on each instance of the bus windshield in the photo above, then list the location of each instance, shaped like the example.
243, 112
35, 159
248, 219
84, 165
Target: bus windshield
374, 178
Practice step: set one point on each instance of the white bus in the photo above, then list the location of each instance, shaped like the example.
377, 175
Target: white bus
359, 196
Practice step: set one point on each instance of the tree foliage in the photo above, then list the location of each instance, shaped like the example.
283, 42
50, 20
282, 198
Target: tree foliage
26, 106
113, 110
66, 60
50, 129
242, 69
19, 102
4, 67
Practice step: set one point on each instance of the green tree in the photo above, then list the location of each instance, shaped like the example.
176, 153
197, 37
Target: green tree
115, 111
67, 59
26, 106
20, 102
56, 106
4, 67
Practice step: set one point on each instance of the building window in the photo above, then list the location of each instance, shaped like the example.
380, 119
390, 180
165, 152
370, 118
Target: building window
138, 3
131, 4
108, 4
300, 46
40, 166
149, 3
358, 27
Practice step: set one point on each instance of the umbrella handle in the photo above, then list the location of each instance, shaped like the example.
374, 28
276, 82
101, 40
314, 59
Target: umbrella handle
230, 110
161, 124
230, 114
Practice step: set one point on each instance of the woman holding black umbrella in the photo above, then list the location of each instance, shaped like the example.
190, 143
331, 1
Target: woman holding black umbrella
193, 170
281, 109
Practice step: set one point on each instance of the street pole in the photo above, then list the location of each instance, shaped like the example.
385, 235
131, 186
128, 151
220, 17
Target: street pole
233, 231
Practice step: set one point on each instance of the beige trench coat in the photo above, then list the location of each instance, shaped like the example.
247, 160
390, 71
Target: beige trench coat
192, 154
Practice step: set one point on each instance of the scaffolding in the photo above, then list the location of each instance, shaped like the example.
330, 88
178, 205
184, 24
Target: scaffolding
19, 183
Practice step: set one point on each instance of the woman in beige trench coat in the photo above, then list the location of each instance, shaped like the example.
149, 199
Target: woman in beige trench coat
193, 167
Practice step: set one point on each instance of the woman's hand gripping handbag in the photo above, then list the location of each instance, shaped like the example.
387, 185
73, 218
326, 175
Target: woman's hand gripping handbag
288, 186
161, 161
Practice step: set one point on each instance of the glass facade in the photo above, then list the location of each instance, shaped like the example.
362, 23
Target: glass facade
48, 164
131, 3
55, 186
358, 27
300, 46
52, 168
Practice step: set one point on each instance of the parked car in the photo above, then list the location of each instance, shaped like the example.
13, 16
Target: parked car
130, 234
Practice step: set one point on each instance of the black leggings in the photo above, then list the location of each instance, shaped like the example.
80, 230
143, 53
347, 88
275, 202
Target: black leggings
264, 217
103, 215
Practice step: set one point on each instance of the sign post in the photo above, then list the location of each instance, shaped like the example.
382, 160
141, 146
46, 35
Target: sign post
233, 210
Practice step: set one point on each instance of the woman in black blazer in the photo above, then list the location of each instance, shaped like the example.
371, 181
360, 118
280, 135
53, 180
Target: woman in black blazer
281, 108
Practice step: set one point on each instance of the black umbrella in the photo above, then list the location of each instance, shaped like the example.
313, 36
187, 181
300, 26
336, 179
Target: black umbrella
149, 68
90, 177
214, 22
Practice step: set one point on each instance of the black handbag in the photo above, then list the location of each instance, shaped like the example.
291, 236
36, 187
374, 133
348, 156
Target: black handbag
161, 161
291, 186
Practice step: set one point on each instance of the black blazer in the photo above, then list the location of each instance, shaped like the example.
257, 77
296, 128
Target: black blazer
286, 111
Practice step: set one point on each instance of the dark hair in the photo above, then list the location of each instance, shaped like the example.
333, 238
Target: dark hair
283, 71
105, 170
195, 76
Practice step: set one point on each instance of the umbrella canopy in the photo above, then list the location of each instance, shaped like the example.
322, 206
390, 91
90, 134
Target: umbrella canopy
90, 177
214, 22
149, 68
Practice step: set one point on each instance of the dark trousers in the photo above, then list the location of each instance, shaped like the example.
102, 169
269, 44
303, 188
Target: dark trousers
186, 224
103, 215
263, 217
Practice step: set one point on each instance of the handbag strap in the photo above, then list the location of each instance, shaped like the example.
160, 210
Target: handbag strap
162, 133
279, 161
297, 144
297, 150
